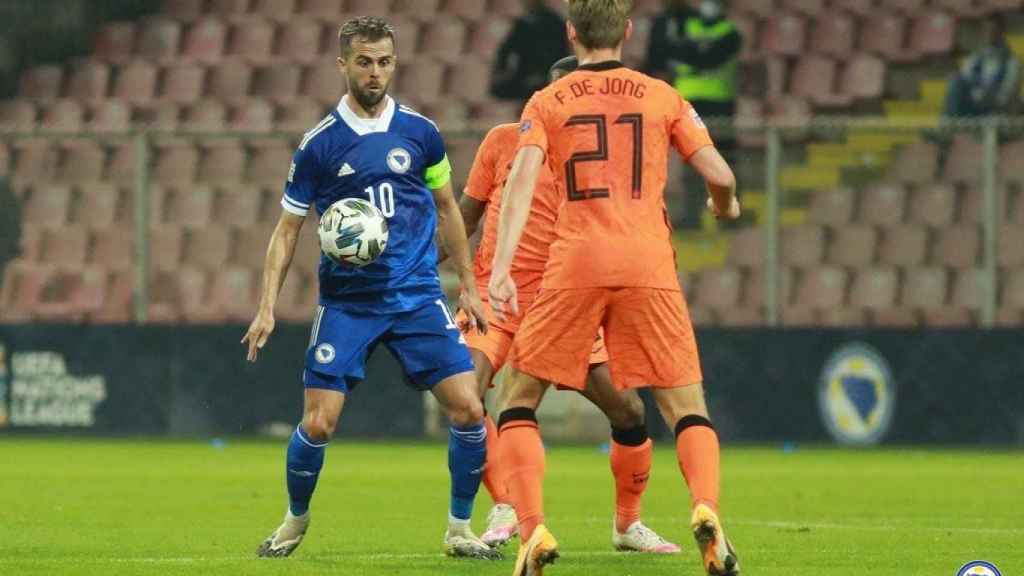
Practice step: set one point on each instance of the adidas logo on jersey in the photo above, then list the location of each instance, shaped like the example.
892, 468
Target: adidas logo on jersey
346, 170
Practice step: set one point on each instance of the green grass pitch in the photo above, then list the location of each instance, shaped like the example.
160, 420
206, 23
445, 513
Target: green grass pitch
120, 507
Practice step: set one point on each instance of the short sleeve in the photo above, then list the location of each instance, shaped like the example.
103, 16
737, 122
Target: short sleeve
438, 171
532, 131
303, 179
687, 130
481, 175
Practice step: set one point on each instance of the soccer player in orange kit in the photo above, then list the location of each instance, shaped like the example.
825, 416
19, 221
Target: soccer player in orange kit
607, 130
630, 447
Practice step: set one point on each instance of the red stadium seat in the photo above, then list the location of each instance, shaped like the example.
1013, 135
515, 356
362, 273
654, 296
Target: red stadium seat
814, 78
115, 42
229, 83
933, 205
832, 207
277, 83
798, 315
159, 40
719, 288
969, 289
842, 317
803, 246
292, 303
487, 34
62, 115
833, 35
420, 9
190, 207
250, 247
469, 80
135, 83
1010, 247
445, 41
22, 290
307, 248
884, 34
863, 78
251, 40
82, 162
964, 160
1012, 293
269, 164
41, 83
883, 205
915, 164
905, 6
230, 296
490, 113
822, 288
783, 34
875, 288
47, 206
113, 247
89, 81
853, 246
327, 11
904, 246
231, 9
165, 247
748, 29
252, 115
299, 41
205, 116
759, 8
160, 116
324, 84
223, 163
894, 318
299, 115
369, 7
28, 244
66, 246
117, 306
958, 247
424, 78
1011, 162
966, 8
933, 34
182, 84
238, 209
183, 10
861, 8
208, 248
280, 10
35, 162
204, 42
807, 7
746, 249
176, 163
738, 318
476, 9
17, 115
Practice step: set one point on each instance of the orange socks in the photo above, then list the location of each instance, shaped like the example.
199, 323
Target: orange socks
631, 467
697, 450
492, 473
521, 452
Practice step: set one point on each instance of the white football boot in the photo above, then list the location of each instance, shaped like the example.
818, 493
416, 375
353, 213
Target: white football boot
460, 542
640, 538
286, 538
502, 525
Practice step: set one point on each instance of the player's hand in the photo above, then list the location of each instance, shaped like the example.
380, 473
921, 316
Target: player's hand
732, 213
501, 292
476, 316
258, 333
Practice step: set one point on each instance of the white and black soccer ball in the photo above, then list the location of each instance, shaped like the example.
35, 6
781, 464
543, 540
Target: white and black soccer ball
353, 232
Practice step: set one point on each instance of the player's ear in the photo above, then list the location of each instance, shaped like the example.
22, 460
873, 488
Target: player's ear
629, 30
341, 64
570, 32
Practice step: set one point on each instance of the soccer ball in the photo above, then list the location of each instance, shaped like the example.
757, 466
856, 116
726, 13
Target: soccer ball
353, 232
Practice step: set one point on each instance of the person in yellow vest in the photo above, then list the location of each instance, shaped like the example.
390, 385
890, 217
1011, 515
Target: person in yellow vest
696, 50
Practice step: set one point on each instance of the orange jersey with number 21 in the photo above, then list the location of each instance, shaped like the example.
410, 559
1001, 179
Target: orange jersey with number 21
606, 131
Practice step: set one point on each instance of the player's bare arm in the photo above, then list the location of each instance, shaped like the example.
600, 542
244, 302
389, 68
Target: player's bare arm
515, 210
720, 181
275, 268
453, 234
472, 211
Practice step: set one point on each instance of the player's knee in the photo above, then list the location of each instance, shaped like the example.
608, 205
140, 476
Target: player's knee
467, 412
318, 426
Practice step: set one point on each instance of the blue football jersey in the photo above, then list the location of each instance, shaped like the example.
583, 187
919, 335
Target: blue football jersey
392, 161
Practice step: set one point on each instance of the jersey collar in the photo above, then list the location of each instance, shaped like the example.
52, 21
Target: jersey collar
364, 126
601, 66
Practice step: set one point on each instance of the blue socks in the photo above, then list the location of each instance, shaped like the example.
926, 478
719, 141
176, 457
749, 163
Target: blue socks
305, 459
467, 452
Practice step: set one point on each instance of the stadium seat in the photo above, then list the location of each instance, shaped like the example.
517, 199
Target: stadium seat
806, 7
915, 163
28, 244
969, 289
269, 164
299, 115
803, 246
843, 317
204, 41
419, 9
719, 288
41, 83
958, 247
905, 245
277, 83
113, 247
250, 247
47, 206
1011, 162
324, 84
934, 205
204, 116
135, 83
82, 161
208, 248
158, 40
22, 290
814, 78
35, 162
157, 116
66, 246
252, 115
833, 35
832, 207
863, 78
115, 42
188, 296
476, 9
947, 318
971, 206
490, 113
798, 316
17, 115
223, 163
487, 35
445, 41
251, 40
117, 305
229, 83
280, 10
746, 248
933, 33
853, 246
990, 6
451, 115
760, 8
1010, 246
822, 288
883, 205
69, 294
783, 35
1012, 293
423, 78
182, 84
5, 160
182, 10
963, 8
307, 248
229, 9
469, 80
894, 318
735, 318
748, 29
299, 41
176, 163
875, 288
89, 81
165, 247
369, 7
905, 6
327, 11
238, 208
109, 116
230, 296
964, 161
62, 115
884, 34
292, 303
861, 8
190, 207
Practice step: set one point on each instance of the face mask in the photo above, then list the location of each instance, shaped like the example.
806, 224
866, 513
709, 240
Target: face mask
709, 9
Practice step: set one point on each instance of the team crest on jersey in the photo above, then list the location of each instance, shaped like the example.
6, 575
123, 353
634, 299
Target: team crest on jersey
399, 160
324, 353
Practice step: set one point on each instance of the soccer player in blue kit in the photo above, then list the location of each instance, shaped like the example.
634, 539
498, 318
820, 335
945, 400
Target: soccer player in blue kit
371, 147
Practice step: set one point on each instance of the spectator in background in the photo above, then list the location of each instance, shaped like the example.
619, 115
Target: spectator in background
988, 81
697, 52
521, 66
10, 226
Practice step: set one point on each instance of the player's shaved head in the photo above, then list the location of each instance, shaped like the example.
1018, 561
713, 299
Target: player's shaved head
600, 23
364, 28
562, 67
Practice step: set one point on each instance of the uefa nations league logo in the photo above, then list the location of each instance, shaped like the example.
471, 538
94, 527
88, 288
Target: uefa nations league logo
978, 568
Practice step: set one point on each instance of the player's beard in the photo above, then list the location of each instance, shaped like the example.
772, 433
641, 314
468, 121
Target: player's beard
366, 99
